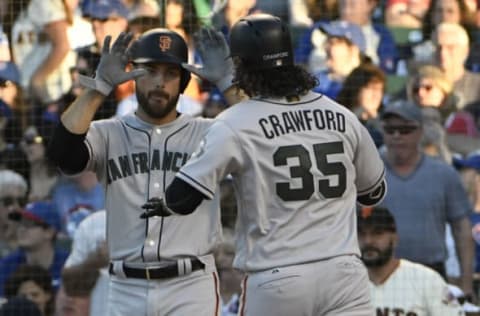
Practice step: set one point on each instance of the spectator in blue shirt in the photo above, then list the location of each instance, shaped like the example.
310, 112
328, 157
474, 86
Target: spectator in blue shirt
379, 43
37, 229
345, 47
424, 195
74, 198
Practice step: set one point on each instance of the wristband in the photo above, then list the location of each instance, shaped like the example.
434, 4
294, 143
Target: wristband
224, 83
95, 84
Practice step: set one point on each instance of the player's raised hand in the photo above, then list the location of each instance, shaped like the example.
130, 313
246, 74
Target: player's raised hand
215, 53
111, 68
156, 207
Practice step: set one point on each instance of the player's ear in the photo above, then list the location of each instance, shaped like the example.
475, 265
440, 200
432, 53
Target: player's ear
395, 239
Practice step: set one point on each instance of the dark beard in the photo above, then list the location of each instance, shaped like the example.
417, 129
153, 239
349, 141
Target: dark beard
153, 112
382, 258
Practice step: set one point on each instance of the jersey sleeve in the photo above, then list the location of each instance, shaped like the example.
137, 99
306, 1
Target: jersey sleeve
44, 12
438, 298
88, 236
96, 144
218, 154
369, 166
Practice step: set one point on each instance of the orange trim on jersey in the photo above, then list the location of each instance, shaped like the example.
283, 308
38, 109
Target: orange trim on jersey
217, 294
243, 297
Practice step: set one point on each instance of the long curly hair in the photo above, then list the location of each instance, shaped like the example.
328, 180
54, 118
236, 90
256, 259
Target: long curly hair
275, 82
358, 79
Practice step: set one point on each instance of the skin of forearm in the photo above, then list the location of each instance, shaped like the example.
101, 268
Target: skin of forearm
60, 48
79, 114
234, 95
464, 246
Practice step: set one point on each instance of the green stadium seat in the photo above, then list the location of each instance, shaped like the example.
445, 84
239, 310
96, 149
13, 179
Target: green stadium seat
405, 35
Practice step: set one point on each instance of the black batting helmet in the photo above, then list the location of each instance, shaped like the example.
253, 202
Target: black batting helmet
163, 46
261, 41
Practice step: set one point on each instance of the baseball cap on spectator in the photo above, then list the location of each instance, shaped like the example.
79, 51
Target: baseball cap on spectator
461, 122
350, 31
104, 9
19, 306
404, 109
471, 161
376, 217
9, 72
146, 8
41, 212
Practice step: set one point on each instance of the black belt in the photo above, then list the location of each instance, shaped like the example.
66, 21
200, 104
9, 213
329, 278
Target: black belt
169, 271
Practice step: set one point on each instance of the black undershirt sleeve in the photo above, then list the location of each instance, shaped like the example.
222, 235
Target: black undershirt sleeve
182, 198
375, 196
67, 150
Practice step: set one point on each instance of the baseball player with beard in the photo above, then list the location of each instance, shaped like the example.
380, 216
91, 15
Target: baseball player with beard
399, 286
299, 163
159, 266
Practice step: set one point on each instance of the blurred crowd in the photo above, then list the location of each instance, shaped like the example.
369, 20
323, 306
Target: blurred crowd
408, 69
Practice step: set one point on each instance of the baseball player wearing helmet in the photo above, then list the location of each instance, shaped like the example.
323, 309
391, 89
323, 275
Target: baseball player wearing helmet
159, 266
299, 162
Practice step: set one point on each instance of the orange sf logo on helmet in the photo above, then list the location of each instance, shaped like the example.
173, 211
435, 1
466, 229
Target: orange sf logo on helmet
164, 42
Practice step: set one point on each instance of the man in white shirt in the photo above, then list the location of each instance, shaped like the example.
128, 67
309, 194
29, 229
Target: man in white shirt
399, 286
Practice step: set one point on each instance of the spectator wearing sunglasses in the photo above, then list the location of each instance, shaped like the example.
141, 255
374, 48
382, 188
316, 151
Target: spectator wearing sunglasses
13, 192
430, 89
42, 175
38, 225
424, 195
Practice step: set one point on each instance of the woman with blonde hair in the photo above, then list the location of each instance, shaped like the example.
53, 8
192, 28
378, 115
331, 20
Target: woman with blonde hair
429, 87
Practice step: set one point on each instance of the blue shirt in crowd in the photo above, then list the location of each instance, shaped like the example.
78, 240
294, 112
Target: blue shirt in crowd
10, 263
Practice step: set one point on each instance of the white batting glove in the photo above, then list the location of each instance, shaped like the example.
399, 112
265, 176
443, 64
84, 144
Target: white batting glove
111, 68
215, 53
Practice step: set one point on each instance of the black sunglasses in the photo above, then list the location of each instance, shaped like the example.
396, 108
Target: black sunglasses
11, 200
427, 87
5, 83
32, 139
402, 129
81, 71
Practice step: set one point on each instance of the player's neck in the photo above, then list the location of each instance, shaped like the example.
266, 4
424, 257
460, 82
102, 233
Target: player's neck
404, 164
170, 117
378, 275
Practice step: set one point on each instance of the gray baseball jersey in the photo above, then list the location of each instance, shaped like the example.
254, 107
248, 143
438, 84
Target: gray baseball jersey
297, 169
136, 161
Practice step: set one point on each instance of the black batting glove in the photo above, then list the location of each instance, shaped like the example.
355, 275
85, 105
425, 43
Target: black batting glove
156, 207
